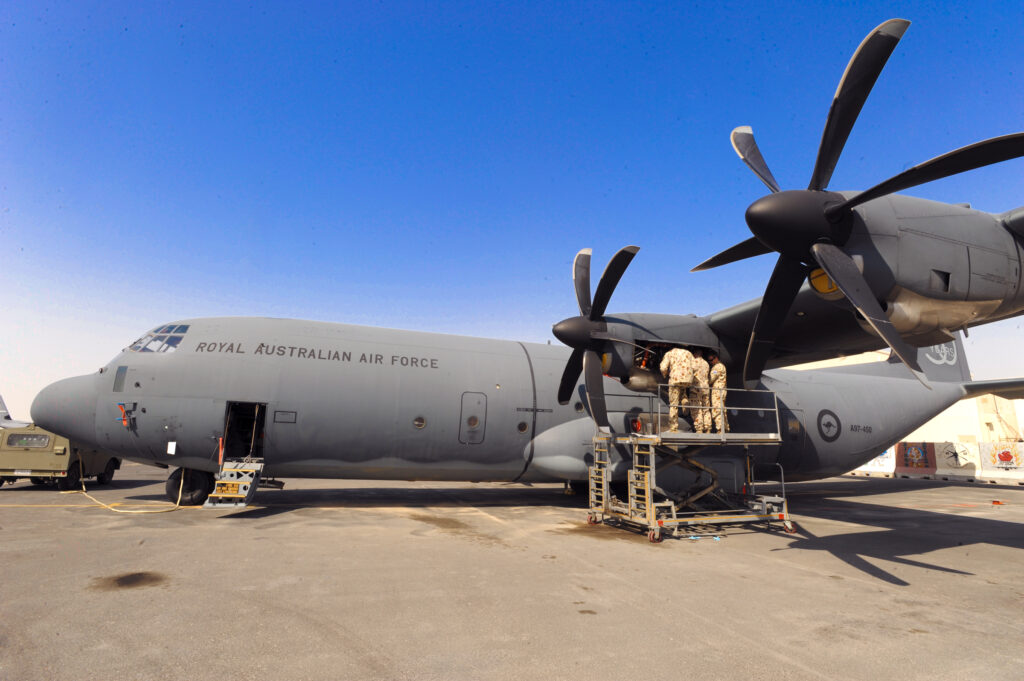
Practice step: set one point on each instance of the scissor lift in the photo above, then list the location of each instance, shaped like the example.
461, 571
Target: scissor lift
653, 445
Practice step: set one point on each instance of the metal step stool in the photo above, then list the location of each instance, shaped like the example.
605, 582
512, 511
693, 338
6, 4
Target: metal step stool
236, 484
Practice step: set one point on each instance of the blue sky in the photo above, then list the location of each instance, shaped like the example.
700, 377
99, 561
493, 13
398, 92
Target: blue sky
436, 166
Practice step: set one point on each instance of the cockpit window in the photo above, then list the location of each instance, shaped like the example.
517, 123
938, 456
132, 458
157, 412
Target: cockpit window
155, 344
141, 343
160, 339
171, 344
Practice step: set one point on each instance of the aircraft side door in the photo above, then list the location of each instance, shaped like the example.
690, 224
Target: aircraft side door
473, 419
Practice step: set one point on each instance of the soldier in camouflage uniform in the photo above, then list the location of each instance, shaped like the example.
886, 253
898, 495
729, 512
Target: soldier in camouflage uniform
677, 365
717, 380
699, 395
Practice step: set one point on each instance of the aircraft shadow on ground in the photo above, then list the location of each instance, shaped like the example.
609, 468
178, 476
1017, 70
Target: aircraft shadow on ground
274, 502
902, 532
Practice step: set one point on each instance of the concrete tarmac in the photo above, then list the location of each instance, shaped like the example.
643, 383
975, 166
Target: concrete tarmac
885, 579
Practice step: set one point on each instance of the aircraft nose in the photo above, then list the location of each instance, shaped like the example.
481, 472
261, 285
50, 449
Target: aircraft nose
68, 408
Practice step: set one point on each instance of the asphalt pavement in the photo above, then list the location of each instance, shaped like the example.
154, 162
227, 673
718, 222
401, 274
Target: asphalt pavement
329, 579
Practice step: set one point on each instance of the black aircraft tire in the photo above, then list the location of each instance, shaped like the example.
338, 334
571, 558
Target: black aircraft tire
73, 480
107, 475
198, 485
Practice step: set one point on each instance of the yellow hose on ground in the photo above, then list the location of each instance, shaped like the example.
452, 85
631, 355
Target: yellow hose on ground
82, 491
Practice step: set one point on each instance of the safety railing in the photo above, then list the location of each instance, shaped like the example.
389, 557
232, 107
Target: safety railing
745, 415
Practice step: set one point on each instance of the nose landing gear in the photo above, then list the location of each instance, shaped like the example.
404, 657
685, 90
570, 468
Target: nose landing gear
194, 486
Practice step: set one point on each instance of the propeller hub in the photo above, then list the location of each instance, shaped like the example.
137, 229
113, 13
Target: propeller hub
790, 222
576, 332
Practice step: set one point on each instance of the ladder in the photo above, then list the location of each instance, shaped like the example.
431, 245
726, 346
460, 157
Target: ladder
641, 500
235, 484
598, 477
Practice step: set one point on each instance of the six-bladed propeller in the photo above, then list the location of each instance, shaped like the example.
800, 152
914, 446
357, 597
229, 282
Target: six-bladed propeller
808, 227
587, 333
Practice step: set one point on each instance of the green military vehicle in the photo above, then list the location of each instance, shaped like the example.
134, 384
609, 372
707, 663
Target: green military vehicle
48, 459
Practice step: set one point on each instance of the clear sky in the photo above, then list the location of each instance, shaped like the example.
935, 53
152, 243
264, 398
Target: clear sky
436, 166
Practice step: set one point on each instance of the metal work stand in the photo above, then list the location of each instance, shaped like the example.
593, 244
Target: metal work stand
705, 504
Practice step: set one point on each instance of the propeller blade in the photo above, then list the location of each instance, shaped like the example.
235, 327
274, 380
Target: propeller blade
854, 87
786, 279
741, 251
979, 155
843, 271
569, 375
581, 280
594, 377
610, 279
742, 139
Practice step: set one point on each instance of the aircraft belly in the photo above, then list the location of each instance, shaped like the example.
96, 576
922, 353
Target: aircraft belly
390, 468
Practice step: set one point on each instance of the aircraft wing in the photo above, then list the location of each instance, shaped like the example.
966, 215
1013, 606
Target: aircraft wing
814, 329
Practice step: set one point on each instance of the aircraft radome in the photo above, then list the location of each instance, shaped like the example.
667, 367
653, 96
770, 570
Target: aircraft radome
315, 399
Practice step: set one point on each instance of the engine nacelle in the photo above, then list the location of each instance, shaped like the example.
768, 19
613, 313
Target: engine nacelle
914, 314
642, 380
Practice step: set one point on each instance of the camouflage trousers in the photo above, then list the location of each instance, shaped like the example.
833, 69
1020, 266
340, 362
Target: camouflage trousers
700, 409
677, 401
718, 411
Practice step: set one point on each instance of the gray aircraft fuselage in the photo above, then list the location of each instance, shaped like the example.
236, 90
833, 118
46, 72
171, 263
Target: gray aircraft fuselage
343, 401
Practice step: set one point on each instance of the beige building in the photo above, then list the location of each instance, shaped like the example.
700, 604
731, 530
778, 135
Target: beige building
980, 419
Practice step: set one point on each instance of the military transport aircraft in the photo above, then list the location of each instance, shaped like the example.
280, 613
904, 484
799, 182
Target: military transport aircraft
315, 399
323, 400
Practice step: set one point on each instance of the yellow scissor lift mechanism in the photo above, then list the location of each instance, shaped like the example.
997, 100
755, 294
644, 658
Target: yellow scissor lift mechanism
654, 440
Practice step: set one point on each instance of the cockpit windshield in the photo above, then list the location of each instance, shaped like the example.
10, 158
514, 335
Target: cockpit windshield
161, 339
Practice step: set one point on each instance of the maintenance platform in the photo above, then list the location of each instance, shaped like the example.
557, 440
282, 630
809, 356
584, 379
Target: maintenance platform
654, 444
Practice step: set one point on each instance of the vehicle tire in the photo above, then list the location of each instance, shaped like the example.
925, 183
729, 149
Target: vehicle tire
107, 475
197, 486
73, 481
